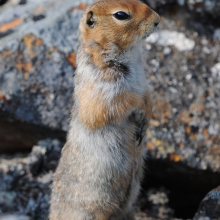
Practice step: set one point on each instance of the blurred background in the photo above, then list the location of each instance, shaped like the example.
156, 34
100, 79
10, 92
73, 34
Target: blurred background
38, 45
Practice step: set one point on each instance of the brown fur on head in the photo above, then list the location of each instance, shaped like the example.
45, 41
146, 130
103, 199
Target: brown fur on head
99, 23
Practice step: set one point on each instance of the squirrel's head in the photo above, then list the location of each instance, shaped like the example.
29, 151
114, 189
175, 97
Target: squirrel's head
120, 22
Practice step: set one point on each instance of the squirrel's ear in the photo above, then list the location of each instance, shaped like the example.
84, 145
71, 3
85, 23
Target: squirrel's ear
90, 21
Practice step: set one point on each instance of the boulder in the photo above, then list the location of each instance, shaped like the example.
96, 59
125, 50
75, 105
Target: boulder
38, 42
182, 66
38, 50
209, 207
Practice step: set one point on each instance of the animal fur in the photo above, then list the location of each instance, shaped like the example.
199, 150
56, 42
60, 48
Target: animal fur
99, 173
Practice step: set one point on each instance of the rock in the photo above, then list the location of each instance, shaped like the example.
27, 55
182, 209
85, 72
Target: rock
7, 199
26, 180
210, 7
216, 71
181, 2
204, 218
187, 80
156, 201
27, 194
37, 60
155, 4
168, 38
14, 217
37, 64
166, 51
178, 69
45, 156
36, 159
37, 51
217, 33
209, 207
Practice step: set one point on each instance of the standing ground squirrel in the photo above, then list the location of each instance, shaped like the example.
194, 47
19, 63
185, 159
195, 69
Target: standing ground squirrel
99, 173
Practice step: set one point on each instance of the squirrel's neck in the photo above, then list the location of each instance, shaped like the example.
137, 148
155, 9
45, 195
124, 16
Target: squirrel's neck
110, 62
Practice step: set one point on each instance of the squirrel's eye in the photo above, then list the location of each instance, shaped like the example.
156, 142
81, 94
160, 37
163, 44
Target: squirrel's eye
120, 15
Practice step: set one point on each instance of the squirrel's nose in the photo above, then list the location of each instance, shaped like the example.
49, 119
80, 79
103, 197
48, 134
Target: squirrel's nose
156, 19
156, 23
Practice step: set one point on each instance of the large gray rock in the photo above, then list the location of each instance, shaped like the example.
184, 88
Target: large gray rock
183, 70
209, 207
38, 41
37, 68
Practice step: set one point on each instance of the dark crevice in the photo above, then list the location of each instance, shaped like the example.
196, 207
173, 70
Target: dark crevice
187, 186
4, 34
20, 137
38, 17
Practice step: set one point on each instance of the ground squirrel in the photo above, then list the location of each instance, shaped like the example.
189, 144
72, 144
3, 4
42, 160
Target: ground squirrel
99, 173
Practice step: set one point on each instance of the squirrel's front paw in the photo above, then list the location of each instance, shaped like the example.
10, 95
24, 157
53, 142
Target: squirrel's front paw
141, 130
138, 116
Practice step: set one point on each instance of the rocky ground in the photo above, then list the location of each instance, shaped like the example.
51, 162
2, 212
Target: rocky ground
202, 7
26, 181
26, 184
38, 43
